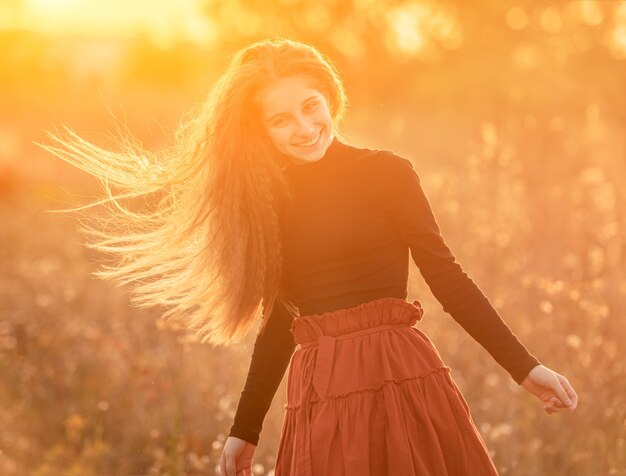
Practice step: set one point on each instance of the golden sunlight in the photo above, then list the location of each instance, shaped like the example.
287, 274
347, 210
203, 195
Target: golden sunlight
415, 27
164, 20
406, 28
509, 117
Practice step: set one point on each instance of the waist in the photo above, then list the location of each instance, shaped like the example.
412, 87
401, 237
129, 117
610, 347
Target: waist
358, 333
374, 316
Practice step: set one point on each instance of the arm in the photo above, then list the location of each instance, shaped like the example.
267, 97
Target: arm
451, 286
270, 358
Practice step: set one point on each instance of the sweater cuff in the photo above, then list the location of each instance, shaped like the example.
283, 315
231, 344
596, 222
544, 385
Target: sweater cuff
244, 433
521, 371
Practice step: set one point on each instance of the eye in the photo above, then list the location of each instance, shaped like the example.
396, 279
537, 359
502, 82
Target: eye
311, 106
279, 122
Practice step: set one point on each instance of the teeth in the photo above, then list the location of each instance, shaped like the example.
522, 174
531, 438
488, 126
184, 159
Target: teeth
308, 144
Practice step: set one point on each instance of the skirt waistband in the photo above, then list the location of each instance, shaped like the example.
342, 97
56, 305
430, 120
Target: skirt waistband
372, 316
362, 332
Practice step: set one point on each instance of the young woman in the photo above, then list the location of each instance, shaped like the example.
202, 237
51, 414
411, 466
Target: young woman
266, 211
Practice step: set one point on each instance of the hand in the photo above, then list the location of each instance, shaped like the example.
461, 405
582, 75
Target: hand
551, 388
237, 457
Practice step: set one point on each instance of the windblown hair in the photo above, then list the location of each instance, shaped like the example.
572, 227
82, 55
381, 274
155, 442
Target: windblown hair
209, 247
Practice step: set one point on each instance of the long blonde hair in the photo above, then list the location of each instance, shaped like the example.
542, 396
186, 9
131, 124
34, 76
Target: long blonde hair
210, 247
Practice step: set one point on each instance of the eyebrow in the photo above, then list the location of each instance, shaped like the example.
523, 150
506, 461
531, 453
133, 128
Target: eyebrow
280, 113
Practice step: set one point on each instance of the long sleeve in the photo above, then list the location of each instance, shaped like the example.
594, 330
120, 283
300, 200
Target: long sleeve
270, 358
451, 286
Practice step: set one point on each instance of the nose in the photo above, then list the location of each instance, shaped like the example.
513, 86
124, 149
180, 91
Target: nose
304, 127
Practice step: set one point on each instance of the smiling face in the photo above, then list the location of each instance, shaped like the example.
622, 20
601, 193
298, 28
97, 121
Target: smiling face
296, 118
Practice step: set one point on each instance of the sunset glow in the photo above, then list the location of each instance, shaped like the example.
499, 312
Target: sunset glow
164, 20
510, 113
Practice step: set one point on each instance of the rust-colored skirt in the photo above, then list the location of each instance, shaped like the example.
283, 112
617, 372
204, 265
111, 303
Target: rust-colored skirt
369, 395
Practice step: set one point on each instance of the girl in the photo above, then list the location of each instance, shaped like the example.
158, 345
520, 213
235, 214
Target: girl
266, 211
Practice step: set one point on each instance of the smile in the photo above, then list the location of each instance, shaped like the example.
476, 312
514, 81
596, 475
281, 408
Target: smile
312, 143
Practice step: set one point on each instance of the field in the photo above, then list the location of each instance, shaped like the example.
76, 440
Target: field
522, 156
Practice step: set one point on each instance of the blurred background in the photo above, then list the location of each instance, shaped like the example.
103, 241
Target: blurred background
513, 114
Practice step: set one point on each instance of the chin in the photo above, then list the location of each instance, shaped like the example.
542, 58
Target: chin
311, 157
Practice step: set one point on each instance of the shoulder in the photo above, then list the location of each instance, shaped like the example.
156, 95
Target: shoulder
390, 159
387, 165
380, 168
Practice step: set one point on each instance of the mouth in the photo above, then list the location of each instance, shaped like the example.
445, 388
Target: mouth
312, 143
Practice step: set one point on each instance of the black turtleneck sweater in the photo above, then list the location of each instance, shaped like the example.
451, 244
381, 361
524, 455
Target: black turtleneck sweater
346, 240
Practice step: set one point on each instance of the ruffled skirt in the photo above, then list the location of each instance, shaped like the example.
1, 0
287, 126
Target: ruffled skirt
369, 395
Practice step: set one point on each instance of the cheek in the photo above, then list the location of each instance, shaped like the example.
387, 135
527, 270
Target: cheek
279, 137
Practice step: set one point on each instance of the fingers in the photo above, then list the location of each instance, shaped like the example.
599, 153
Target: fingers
555, 391
569, 390
549, 409
227, 468
560, 392
554, 405
223, 465
566, 394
